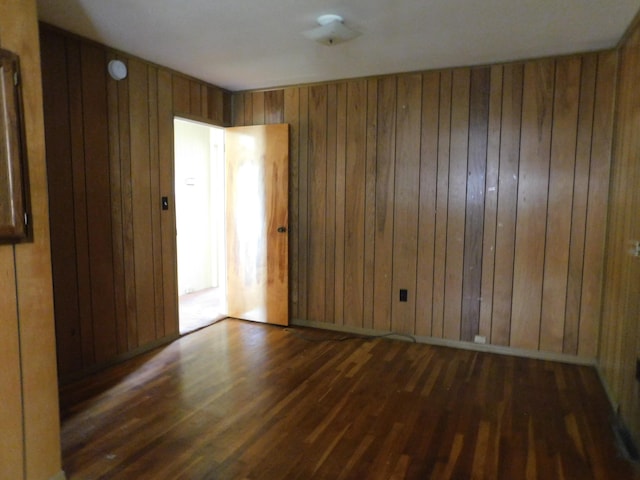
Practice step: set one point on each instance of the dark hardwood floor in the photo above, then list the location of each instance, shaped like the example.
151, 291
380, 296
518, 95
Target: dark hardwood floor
239, 400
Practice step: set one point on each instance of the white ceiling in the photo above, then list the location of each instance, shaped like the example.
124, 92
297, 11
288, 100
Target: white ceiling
250, 44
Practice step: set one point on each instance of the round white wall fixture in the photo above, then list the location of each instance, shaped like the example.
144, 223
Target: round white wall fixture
117, 69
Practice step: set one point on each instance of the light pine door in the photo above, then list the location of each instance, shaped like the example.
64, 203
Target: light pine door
257, 192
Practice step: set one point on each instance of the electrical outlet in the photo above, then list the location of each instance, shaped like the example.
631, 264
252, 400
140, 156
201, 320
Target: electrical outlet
480, 339
404, 294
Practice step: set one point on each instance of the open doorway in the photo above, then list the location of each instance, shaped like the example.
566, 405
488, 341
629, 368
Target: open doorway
200, 226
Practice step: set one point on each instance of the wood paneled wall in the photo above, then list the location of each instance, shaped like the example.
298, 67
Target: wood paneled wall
29, 420
620, 338
110, 160
481, 191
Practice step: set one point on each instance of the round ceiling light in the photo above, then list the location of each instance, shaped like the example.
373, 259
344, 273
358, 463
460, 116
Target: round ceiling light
328, 18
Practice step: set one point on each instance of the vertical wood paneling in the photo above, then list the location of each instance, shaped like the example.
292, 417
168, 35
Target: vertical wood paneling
238, 111
248, 108
292, 117
274, 106
195, 99
303, 204
406, 201
508, 180
154, 198
257, 114
341, 187
444, 148
427, 202
491, 202
112, 150
96, 148
475, 201
60, 175
116, 213
126, 189
204, 101
456, 203
12, 454
561, 180
620, 338
219, 107
330, 209
181, 95
370, 203
425, 183
355, 176
599, 175
385, 184
579, 211
317, 204
29, 422
168, 217
142, 212
76, 128
537, 117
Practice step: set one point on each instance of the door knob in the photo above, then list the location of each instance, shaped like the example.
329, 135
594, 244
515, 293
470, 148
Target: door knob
282, 229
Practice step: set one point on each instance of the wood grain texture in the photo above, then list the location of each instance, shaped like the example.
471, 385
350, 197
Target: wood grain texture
12, 454
29, 420
238, 111
78, 185
442, 204
490, 226
155, 196
426, 183
600, 171
315, 409
619, 343
117, 218
341, 186
141, 202
317, 206
181, 95
579, 208
370, 203
63, 241
427, 202
303, 201
256, 192
257, 103
559, 208
508, 180
475, 202
166, 188
330, 196
537, 116
113, 160
355, 168
385, 185
456, 203
98, 200
292, 117
406, 201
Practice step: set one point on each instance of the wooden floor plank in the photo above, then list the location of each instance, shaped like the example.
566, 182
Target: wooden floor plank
241, 400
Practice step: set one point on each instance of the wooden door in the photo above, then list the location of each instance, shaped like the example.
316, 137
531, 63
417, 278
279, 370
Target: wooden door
257, 191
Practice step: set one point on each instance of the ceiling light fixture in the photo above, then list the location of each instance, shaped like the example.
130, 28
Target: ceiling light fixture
331, 30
